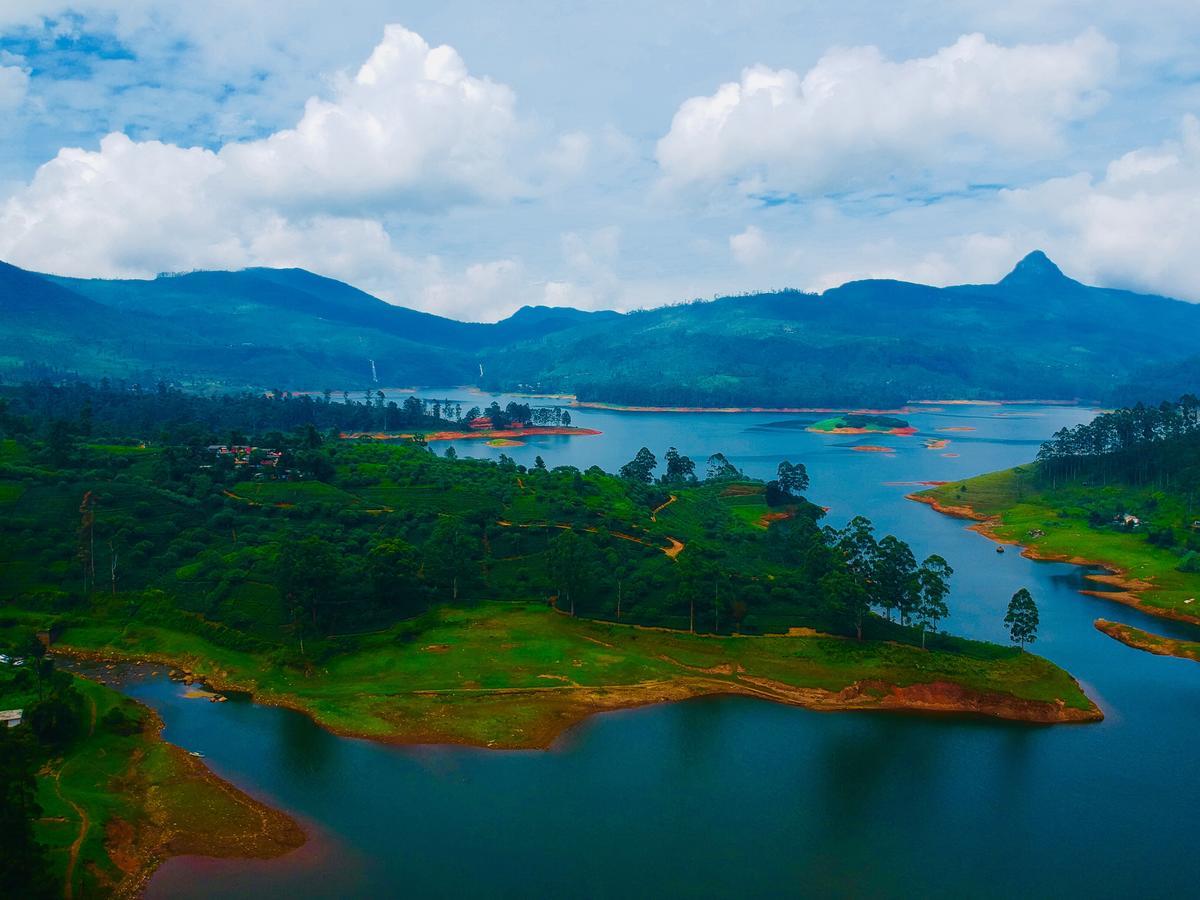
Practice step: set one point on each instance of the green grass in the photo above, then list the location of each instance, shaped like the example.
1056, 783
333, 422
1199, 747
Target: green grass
1023, 505
882, 424
1151, 643
515, 674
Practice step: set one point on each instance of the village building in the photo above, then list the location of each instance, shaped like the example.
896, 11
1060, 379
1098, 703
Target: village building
11, 718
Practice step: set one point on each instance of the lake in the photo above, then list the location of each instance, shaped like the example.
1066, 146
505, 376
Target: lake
731, 796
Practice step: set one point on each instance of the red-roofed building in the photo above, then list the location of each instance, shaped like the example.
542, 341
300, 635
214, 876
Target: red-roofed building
482, 423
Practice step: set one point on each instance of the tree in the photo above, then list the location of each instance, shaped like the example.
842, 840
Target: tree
933, 578
1021, 620
24, 870
680, 469
692, 573
573, 564
392, 567
451, 453
895, 577
788, 484
566, 418
720, 467
847, 598
539, 463
793, 479
858, 547
449, 553
308, 574
641, 467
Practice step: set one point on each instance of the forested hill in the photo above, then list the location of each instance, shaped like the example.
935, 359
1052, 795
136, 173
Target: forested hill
1034, 334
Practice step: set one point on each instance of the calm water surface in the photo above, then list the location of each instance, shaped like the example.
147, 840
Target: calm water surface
731, 796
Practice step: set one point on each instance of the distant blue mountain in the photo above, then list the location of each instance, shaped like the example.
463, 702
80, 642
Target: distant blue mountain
1035, 333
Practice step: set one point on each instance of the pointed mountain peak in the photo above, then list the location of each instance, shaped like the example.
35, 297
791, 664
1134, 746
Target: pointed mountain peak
1035, 269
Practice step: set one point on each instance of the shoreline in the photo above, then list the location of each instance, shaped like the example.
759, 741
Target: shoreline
489, 435
1147, 642
140, 847
1117, 577
618, 407
906, 431
909, 406
572, 705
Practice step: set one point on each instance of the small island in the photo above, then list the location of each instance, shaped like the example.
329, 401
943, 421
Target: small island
862, 423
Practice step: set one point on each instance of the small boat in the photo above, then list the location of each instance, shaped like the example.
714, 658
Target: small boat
196, 753
999, 549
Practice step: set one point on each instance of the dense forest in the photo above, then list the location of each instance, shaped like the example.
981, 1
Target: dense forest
1139, 445
139, 504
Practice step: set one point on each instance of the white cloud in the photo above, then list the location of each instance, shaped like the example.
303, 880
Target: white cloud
749, 247
411, 128
411, 124
855, 117
1137, 226
14, 85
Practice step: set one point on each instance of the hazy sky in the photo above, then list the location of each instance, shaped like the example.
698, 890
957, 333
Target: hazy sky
471, 157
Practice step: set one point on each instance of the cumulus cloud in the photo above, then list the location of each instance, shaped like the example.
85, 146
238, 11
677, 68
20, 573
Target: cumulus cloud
856, 117
410, 128
1137, 225
412, 122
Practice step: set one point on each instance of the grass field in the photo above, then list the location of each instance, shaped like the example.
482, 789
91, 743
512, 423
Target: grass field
517, 675
1021, 508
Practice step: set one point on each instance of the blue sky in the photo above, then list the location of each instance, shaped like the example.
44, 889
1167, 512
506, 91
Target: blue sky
468, 157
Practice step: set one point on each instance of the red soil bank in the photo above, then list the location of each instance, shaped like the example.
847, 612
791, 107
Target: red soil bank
503, 433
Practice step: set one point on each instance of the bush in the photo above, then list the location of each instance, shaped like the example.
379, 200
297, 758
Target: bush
1191, 563
119, 721
1162, 537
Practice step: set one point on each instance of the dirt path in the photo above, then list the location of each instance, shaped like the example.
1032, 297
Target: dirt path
73, 854
84, 820
672, 551
658, 509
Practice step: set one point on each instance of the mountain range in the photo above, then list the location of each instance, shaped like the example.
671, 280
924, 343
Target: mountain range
1034, 334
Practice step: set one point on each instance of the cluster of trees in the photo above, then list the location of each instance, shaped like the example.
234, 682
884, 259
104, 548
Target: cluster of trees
1136, 445
380, 532
788, 485
883, 574
167, 415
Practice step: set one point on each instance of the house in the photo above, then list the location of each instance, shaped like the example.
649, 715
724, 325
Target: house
481, 423
1129, 521
10, 718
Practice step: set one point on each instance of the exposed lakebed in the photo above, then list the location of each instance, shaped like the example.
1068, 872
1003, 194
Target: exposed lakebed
731, 795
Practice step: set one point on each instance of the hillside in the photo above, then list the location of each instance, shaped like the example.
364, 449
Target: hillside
1034, 334
394, 593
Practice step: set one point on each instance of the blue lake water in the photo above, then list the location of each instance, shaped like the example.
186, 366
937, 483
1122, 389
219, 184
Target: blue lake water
725, 796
